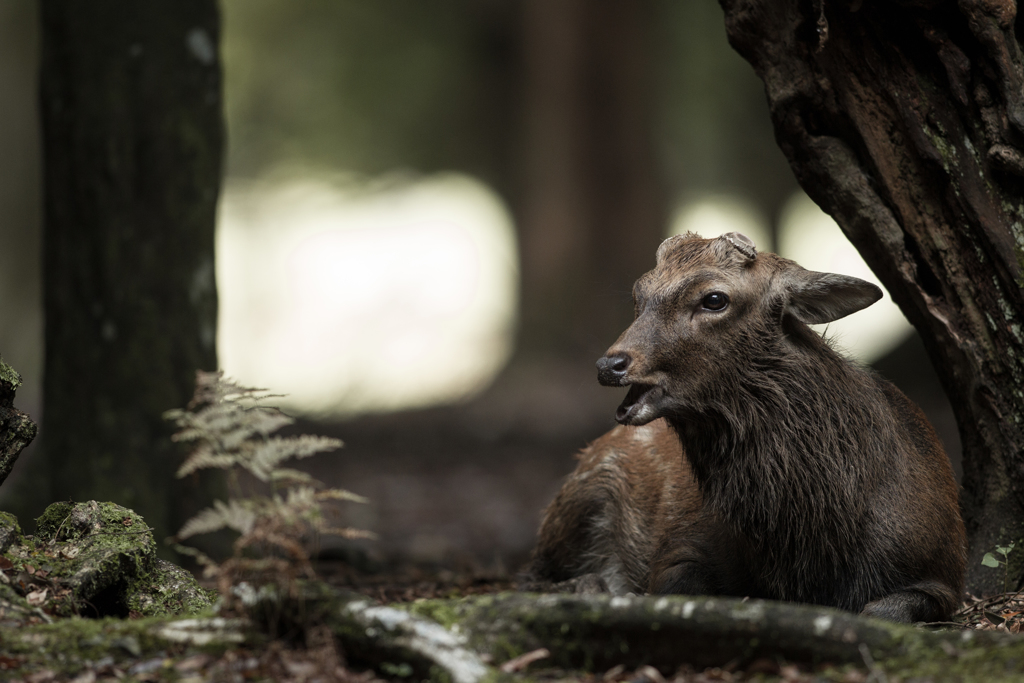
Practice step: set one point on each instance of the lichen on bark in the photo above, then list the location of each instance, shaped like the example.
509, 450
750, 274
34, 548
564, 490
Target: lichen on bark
16, 428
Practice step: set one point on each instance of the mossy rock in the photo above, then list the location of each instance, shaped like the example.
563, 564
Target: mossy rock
16, 428
99, 559
10, 380
10, 530
166, 589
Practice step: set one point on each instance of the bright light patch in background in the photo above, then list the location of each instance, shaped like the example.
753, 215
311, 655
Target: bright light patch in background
810, 237
713, 215
355, 301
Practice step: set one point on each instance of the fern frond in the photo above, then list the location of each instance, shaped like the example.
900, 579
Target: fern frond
213, 387
349, 533
268, 455
229, 424
204, 457
238, 515
231, 429
340, 494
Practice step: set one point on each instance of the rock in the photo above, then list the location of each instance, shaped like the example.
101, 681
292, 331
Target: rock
98, 559
10, 530
16, 428
166, 589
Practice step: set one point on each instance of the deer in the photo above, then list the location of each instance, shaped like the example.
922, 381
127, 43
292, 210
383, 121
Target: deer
752, 459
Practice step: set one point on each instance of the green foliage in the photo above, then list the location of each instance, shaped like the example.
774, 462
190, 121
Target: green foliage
231, 430
990, 560
366, 87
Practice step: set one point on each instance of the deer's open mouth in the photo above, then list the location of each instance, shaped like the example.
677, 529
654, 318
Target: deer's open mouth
636, 408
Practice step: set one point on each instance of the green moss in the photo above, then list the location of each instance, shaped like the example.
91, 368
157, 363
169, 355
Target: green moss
9, 375
166, 589
52, 518
1019, 251
444, 612
102, 549
9, 521
972, 659
67, 646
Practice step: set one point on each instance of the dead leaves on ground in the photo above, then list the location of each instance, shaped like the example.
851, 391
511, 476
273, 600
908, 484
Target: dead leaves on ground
1003, 612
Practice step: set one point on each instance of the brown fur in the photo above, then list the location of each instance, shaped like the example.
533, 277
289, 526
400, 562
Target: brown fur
805, 477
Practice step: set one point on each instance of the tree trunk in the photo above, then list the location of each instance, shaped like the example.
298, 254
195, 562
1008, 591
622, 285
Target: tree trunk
132, 144
905, 121
593, 210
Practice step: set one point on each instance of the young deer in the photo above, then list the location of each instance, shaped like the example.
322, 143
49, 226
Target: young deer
757, 461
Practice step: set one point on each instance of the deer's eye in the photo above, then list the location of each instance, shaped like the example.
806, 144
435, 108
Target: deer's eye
715, 301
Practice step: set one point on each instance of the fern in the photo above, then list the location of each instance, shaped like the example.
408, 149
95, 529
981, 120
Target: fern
231, 430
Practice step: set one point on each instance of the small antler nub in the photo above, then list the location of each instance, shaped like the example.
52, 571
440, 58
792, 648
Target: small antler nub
743, 244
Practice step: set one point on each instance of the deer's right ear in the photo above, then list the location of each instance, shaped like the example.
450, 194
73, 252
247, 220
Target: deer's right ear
815, 298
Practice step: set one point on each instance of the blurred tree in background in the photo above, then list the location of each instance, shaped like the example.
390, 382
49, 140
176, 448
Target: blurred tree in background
132, 148
590, 119
21, 315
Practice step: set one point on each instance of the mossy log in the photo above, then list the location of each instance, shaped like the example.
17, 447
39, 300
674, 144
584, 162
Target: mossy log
68, 647
595, 633
467, 640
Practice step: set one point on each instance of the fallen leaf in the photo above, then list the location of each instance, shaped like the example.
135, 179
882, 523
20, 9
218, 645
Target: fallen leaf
763, 665
36, 598
614, 672
9, 662
790, 672
651, 674
302, 670
193, 663
5, 563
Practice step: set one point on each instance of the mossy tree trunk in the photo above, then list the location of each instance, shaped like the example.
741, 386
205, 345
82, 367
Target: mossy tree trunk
133, 140
905, 121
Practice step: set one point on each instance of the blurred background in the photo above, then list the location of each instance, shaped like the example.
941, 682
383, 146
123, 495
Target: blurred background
432, 217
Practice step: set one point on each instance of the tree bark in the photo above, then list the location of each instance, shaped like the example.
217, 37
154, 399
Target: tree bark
905, 121
16, 428
132, 143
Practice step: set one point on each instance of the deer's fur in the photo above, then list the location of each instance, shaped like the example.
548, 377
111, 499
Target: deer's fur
805, 477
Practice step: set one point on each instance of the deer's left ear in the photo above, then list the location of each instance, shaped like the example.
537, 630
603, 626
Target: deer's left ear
815, 298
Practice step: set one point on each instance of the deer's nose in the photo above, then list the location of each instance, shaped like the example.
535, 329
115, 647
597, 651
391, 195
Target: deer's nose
611, 369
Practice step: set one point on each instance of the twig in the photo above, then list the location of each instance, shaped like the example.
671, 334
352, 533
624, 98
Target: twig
522, 661
876, 673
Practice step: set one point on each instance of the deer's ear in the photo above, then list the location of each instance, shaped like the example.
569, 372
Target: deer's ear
815, 298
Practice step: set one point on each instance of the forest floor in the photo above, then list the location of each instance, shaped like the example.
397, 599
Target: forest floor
456, 496
316, 657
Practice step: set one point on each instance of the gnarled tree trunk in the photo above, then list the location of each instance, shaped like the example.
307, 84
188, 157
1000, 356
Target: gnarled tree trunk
905, 121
